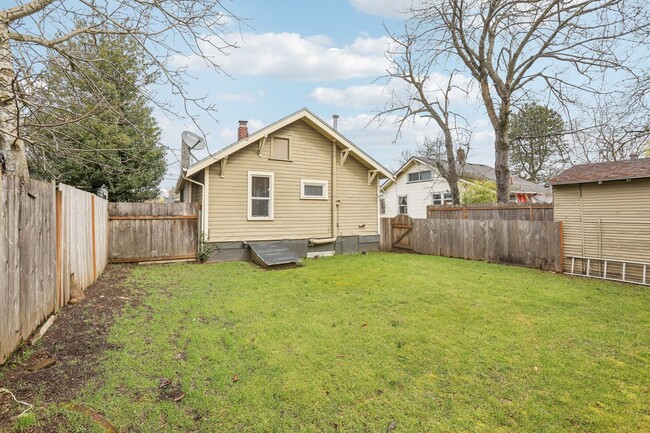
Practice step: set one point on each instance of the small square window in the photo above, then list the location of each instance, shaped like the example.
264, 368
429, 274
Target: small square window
280, 149
313, 189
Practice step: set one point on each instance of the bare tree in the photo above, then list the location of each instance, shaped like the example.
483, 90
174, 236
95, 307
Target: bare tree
34, 33
611, 130
516, 47
416, 94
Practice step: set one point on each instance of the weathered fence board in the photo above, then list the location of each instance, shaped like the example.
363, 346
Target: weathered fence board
27, 258
45, 235
84, 252
510, 211
535, 244
141, 232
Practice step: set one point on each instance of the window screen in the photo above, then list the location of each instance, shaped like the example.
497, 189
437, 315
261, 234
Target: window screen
314, 190
280, 148
260, 196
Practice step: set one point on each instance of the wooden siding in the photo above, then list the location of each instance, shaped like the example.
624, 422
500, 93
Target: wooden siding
294, 218
197, 191
358, 202
610, 220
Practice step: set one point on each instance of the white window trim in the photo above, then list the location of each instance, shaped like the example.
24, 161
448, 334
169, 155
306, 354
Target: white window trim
249, 197
271, 149
399, 205
304, 182
419, 173
443, 201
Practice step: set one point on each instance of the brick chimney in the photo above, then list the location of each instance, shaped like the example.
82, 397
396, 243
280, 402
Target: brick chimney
461, 156
242, 131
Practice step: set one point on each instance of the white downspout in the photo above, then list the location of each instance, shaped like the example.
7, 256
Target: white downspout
204, 221
321, 241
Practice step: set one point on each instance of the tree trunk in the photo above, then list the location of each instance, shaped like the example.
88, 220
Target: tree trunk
501, 169
12, 148
452, 171
502, 151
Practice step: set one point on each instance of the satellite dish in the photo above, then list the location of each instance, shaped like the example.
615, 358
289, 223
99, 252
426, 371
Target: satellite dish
192, 140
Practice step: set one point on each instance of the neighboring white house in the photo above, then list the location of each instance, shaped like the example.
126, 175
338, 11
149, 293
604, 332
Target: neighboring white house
417, 185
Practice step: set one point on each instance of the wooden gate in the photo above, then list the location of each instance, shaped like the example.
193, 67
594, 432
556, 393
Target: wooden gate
148, 232
402, 230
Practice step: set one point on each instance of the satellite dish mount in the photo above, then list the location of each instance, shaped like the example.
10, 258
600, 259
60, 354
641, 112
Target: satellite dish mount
190, 142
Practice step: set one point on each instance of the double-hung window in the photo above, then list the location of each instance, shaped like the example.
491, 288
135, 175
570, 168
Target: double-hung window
260, 196
402, 203
440, 198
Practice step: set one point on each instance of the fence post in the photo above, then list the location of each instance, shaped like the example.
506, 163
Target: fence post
94, 241
562, 247
59, 237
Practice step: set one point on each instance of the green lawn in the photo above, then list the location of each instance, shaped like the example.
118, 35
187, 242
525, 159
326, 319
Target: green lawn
384, 342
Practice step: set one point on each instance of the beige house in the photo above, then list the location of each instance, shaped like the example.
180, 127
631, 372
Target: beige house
297, 181
605, 212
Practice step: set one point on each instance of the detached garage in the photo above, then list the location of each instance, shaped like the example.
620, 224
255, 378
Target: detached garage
605, 212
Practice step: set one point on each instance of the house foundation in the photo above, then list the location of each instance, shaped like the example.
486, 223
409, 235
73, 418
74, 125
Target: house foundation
240, 251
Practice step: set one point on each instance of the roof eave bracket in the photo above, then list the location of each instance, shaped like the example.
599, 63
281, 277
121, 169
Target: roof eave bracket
224, 161
344, 156
260, 145
372, 174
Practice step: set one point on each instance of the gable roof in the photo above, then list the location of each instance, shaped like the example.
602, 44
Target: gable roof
471, 171
311, 119
604, 171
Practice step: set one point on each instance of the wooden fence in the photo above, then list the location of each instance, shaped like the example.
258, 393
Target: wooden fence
82, 238
45, 235
510, 211
534, 244
140, 232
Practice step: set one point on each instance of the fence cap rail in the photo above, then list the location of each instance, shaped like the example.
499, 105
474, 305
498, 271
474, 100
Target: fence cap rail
490, 206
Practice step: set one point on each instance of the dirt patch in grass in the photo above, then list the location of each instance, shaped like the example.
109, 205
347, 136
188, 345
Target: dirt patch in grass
75, 342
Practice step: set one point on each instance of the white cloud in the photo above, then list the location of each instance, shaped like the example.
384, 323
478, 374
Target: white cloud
373, 95
292, 56
382, 8
464, 93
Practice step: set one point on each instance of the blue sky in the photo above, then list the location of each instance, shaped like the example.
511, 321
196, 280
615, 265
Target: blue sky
325, 56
